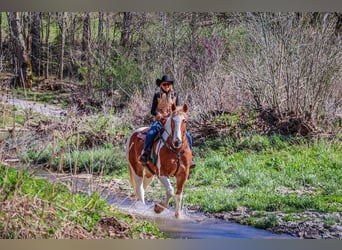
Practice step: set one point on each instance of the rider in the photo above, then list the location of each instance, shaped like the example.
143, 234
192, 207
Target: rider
161, 109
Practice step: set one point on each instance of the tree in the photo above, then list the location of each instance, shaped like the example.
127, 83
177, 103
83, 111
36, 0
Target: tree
0, 36
62, 25
289, 62
126, 29
36, 43
86, 35
24, 69
86, 40
100, 28
47, 44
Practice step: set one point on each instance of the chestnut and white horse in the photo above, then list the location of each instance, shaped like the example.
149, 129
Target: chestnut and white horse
171, 156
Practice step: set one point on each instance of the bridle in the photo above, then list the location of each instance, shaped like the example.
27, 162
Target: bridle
172, 148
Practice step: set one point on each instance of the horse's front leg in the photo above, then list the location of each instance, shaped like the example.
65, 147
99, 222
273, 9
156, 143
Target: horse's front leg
158, 208
179, 197
179, 194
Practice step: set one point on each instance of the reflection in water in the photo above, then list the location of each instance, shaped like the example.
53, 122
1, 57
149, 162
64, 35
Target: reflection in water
193, 225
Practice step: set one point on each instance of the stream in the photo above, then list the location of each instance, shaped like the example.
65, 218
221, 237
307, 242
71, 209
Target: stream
192, 225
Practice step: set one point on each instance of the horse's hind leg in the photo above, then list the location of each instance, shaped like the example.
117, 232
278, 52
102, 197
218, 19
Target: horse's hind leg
139, 189
137, 184
147, 182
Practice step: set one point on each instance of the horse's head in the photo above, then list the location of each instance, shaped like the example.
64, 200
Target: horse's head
177, 125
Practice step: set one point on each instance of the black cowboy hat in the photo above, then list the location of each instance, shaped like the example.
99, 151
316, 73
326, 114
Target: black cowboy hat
165, 78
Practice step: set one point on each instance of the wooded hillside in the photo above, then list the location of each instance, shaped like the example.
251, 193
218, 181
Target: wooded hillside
284, 66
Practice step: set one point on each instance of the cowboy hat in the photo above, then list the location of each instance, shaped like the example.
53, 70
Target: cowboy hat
165, 78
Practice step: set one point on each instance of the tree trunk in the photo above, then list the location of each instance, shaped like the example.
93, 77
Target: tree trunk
86, 36
86, 56
61, 66
36, 43
126, 29
23, 58
100, 29
0, 37
47, 45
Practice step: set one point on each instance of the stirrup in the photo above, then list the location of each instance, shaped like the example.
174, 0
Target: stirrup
144, 158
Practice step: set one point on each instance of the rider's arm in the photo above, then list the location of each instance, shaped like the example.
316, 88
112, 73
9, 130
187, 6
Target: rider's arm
154, 105
177, 100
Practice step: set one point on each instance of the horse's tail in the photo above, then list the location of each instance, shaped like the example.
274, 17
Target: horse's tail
129, 166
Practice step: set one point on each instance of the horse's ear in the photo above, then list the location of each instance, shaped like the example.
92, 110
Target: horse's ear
185, 107
173, 108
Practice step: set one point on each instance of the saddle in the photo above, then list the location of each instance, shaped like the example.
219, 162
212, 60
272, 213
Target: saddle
142, 136
143, 133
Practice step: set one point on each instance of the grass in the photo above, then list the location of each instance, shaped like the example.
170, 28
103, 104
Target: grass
10, 116
32, 208
283, 176
262, 173
95, 147
103, 160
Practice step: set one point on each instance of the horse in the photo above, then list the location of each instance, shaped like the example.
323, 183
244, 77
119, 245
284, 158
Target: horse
171, 157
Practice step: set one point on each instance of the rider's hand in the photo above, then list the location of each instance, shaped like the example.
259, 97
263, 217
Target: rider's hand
158, 116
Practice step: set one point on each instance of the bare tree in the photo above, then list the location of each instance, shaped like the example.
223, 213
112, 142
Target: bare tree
289, 62
36, 42
86, 49
100, 28
1, 37
24, 70
47, 45
126, 29
62, 27
86, 35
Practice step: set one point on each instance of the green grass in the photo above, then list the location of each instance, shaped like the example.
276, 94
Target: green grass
51, 207
107, 159
96, 147
277, 175
10, 116
288, 175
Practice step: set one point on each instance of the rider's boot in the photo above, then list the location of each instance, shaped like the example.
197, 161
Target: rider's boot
144, 157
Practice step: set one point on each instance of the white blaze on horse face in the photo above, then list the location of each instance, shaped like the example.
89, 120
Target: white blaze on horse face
177, 136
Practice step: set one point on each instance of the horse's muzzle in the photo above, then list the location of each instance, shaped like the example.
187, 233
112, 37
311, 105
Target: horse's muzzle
177, 143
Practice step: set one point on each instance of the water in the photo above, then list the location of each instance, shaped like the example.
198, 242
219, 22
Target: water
192, 225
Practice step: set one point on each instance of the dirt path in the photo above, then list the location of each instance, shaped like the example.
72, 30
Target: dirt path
44, 109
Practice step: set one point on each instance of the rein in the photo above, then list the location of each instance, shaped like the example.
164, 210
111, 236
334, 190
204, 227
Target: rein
173, 150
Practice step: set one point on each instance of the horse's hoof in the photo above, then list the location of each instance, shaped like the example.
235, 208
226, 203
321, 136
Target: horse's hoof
178, 215
158, 208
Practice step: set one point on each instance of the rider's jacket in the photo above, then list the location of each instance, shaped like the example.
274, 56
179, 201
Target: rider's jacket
162, 103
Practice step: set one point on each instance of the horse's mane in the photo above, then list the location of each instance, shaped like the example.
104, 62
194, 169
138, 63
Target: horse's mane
179, 111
